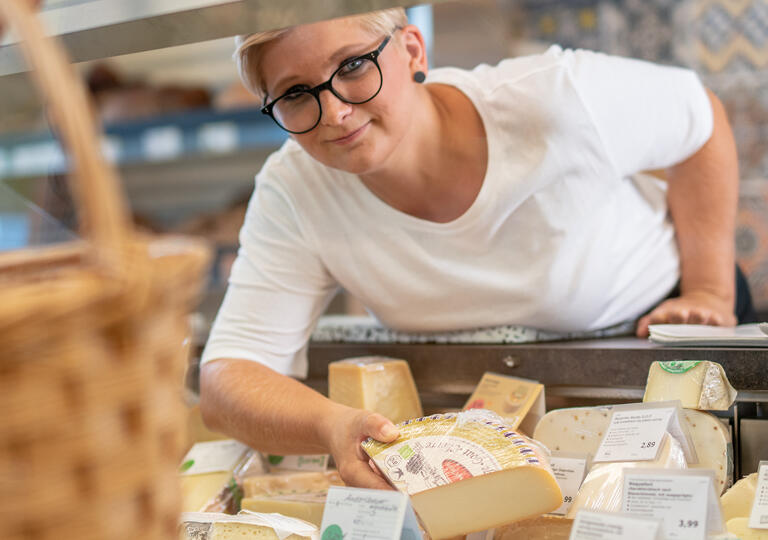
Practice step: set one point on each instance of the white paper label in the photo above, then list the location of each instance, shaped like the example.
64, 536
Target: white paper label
758, 518
681, 501
569, 473
370, 514
218, 137
603, 526
316, 463
212, 456
162, 143
634, 435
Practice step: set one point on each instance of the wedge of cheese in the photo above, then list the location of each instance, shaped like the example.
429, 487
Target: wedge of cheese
206, 470
581, 430
602, 488
737, 501
697, 384
539, 528
247, 531
290, 483
244, 526
306, 506
467, 472
375, 383
740, 527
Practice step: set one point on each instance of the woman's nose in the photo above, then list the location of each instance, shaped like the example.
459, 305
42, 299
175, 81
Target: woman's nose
334, 109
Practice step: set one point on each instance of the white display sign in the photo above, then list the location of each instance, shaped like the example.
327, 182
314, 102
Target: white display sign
212, 456
314, 463
758, 518
569, 471
368, 514
604, 526
637, 431
684, 500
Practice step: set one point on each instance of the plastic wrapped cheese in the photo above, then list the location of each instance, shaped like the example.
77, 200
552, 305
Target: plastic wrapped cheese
467, 472
207, 470
375, 383
697, 384
737, 501
244, 526
290, 483
581, 430
602, 488
539, 528
306, 506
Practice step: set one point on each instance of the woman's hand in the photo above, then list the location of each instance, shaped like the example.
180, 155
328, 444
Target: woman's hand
346, 430
34, 3
692, 308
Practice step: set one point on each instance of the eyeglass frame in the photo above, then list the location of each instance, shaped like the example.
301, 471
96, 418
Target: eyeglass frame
315, 91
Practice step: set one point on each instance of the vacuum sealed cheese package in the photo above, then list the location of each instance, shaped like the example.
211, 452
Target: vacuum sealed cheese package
697, 384
244, 526
465, 472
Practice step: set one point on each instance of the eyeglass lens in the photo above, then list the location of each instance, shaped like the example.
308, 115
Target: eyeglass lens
355, 82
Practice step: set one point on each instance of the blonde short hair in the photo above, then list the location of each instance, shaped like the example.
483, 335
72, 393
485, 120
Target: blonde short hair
248, 46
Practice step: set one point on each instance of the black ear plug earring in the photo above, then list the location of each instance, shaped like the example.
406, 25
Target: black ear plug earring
419, 76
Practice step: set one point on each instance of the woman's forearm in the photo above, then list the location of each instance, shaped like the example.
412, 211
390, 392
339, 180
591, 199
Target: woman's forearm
264, 409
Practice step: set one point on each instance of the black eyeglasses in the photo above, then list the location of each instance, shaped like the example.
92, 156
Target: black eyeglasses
357, 81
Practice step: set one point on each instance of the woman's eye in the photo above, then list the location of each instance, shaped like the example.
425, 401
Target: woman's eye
352, 65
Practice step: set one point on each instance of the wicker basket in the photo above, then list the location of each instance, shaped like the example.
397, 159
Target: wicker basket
91, 416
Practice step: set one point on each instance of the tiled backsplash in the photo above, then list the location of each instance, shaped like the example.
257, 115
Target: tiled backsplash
726, 42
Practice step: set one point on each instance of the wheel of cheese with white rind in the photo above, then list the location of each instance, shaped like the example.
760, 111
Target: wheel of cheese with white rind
581, 430
467, 472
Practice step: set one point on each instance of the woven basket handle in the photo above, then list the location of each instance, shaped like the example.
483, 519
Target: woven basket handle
101, 206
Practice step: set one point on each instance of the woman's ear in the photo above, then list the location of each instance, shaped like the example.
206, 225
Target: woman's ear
413, 43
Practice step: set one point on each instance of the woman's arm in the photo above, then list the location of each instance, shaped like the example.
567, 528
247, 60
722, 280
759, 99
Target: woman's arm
277, 414
703, 199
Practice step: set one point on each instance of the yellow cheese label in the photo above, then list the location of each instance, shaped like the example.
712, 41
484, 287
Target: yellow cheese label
446, 448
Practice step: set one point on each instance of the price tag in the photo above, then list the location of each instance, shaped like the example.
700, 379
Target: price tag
604, 526
212, 456
758, 518
635, 434
569, 471
370, 514
682, 499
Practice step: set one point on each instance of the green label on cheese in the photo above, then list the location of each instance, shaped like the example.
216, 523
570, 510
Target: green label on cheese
274, 460
679, 366
333, 532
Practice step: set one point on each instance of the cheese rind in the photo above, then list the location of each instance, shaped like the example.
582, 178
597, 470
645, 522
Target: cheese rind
737, 501
697, 384
581, 430
288, 483
246, 531
375, 383
218, 526
601, 490
465, 472
740, 527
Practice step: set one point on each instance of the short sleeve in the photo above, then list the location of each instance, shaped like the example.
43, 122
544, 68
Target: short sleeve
649, 116
277, 290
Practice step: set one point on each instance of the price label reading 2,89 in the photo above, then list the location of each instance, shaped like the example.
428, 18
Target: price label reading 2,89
648, 444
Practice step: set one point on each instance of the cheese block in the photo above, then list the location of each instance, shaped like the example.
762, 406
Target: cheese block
737, 501
697, 384
244, 526
539, 528
581, 430
740, 527
290, 483
467, 472
306, 506
602, 488
375, 383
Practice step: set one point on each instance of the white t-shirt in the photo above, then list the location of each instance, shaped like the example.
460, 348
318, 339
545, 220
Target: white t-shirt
563, 236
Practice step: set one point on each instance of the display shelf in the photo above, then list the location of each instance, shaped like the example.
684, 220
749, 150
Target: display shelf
159, 139
93, 29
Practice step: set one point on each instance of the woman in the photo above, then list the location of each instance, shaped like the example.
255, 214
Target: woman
504, 195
